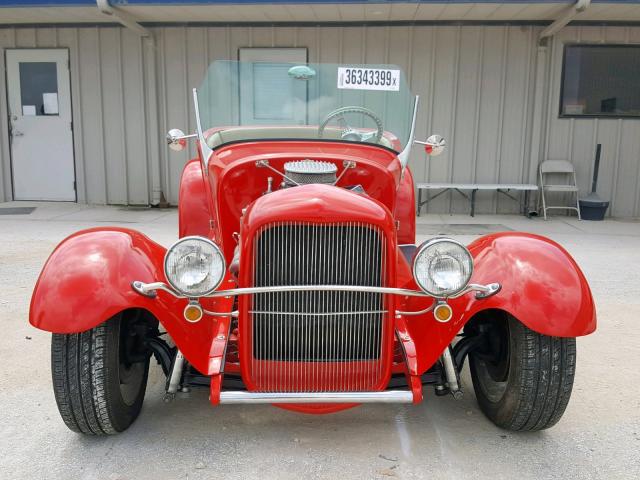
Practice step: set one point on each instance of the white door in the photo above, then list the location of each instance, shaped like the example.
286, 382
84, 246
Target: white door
268, 95
39, 97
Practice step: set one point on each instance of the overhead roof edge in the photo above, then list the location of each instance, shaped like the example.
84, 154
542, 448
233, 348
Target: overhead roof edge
126, 3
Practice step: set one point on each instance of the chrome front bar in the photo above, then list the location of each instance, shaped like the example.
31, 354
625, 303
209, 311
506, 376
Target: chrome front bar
389, 396
149, 289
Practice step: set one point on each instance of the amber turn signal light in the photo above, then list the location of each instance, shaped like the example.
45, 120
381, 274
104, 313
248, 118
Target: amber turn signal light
442, 312
193, 312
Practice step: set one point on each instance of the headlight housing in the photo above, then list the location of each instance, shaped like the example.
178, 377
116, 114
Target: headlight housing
442, 267
194, 266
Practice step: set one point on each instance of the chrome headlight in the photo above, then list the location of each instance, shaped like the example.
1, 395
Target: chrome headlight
442, 267
194, 266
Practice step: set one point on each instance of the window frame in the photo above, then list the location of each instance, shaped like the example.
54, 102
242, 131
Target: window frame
267, 51
562, 77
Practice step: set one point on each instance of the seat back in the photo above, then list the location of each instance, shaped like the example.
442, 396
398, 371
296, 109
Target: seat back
556, 166
558, 173
232, 134
558, 176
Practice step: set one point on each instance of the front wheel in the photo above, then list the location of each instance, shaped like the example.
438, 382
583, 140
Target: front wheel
100, 376
522, 379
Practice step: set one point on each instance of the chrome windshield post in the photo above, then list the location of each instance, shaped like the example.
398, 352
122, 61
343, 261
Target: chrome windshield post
403, 156
205, 150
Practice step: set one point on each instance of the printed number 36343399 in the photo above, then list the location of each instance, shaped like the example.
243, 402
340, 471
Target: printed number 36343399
368, 79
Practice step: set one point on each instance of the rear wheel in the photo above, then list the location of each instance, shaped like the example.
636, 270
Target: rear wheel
100, 376
522, 379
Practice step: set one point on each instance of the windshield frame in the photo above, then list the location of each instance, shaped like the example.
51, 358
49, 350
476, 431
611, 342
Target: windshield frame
206, 150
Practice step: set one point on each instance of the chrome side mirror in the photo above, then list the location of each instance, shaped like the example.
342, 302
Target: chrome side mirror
177, 140
434, 145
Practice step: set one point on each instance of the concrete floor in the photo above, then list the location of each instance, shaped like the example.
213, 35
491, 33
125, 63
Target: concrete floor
598, 437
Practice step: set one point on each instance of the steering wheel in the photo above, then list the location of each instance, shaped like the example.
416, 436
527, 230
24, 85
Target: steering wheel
350, 133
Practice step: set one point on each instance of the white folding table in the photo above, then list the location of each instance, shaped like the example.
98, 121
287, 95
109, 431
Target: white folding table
503, 188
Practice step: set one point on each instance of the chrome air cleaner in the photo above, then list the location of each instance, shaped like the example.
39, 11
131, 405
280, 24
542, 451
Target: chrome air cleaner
307, 171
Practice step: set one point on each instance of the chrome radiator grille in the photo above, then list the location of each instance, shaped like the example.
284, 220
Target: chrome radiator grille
318, 341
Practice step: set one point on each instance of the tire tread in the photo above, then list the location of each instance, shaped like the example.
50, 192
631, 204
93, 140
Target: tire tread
542, 383
80, 374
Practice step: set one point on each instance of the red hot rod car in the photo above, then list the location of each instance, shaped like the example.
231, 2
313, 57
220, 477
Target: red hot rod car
297, 280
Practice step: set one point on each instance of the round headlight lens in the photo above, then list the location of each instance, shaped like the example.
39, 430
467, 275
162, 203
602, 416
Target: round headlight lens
194, 266
442, 267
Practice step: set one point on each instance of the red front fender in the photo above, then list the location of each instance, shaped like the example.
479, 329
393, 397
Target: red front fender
542, 286
87, 280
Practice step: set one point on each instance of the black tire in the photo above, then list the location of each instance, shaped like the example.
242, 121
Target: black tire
98, 391
522, 379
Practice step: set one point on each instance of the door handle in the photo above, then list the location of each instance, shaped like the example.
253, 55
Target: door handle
17, 134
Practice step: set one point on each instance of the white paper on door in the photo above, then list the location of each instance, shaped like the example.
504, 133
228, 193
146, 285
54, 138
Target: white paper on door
50, 102
28, 110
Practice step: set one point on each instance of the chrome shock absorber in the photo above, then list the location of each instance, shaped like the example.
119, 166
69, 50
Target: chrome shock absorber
173, 382
451, 374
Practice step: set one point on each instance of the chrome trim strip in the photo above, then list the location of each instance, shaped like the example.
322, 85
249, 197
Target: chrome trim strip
389, 396
233, 314
484, 291
148, 288
313, 314
418, 312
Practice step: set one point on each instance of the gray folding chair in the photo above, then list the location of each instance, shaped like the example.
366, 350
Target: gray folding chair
562, 173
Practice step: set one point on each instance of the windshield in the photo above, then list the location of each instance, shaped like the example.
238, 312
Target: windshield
263, 100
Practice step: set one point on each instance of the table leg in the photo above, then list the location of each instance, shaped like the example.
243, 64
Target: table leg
473, 202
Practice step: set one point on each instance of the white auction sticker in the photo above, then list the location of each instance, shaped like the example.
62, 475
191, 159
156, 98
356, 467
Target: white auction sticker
355, 78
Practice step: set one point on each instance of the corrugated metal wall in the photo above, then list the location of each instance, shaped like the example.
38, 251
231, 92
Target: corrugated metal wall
476, 83
111, 111
576, 139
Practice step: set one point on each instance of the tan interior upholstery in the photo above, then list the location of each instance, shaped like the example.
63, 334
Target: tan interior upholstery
263, 133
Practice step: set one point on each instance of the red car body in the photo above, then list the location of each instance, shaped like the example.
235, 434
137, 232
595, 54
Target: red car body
88, 277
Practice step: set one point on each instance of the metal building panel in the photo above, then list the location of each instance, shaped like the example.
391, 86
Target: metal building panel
134, 119
87, 98
491, 112
462, 167
476, 86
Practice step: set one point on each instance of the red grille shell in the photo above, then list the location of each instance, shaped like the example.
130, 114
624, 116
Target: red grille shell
318, 341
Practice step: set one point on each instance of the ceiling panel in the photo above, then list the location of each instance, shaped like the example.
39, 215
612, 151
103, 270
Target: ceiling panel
319, 12
326, 13
377, 12
403, 11
303, 13
429, 11
350, 12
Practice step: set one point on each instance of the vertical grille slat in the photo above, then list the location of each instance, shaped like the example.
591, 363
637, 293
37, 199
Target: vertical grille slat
311, 341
